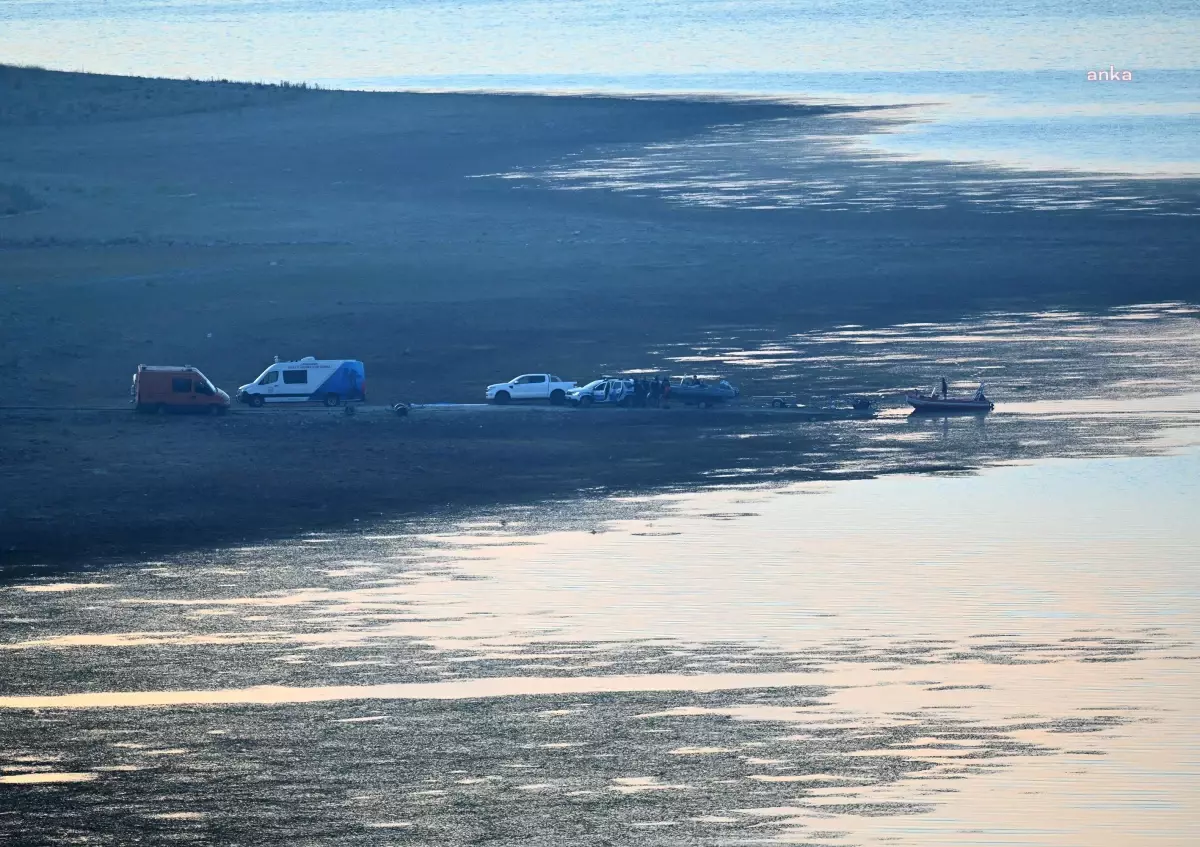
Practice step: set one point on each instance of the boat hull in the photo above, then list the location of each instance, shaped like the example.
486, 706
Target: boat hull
707, 394
949, 404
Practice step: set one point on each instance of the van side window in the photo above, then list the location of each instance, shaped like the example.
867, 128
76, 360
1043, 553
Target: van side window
181, 385
270, 378
295, 377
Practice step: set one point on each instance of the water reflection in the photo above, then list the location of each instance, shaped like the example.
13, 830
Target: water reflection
830, 162
1125, 353
907, 658
822, 657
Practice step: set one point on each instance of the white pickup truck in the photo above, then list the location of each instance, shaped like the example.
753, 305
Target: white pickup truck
530, 387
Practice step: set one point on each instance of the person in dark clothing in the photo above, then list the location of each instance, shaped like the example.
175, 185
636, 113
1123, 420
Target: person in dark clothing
639, 393
655, 392
943, 388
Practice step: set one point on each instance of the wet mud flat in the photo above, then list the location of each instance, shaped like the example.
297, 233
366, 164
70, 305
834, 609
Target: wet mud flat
385, 228
96, 483
89, 485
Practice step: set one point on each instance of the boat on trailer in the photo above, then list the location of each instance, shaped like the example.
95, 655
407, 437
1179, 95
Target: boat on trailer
697, 391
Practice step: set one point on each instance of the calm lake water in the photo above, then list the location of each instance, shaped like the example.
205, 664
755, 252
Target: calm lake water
1006, 652
1003, 84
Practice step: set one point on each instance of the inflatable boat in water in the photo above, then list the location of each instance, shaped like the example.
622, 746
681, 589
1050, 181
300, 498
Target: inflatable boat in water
933, 402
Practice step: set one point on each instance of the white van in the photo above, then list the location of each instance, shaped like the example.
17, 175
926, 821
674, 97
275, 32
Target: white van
310, 380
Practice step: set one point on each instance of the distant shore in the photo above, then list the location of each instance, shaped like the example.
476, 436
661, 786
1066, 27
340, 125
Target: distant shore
219, 224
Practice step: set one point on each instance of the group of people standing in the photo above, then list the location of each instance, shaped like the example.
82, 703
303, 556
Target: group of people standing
651, 392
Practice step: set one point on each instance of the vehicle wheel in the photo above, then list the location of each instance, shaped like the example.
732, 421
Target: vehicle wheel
332, 400
623, 402
777, 403
160, 409
401, 410
557, 396
502, 398
256, 401
706, 405
586, 401
216, 410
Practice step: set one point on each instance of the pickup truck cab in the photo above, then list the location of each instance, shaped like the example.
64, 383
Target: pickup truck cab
530, 387
608, 390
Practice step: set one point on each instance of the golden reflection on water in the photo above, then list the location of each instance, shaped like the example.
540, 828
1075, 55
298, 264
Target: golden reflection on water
456, 690
45, 777
55, 587
854, 559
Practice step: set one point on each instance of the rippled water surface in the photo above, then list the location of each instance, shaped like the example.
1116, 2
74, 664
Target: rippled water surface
835, 163
1001, 652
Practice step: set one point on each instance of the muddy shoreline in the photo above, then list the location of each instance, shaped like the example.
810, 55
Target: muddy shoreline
125, 485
